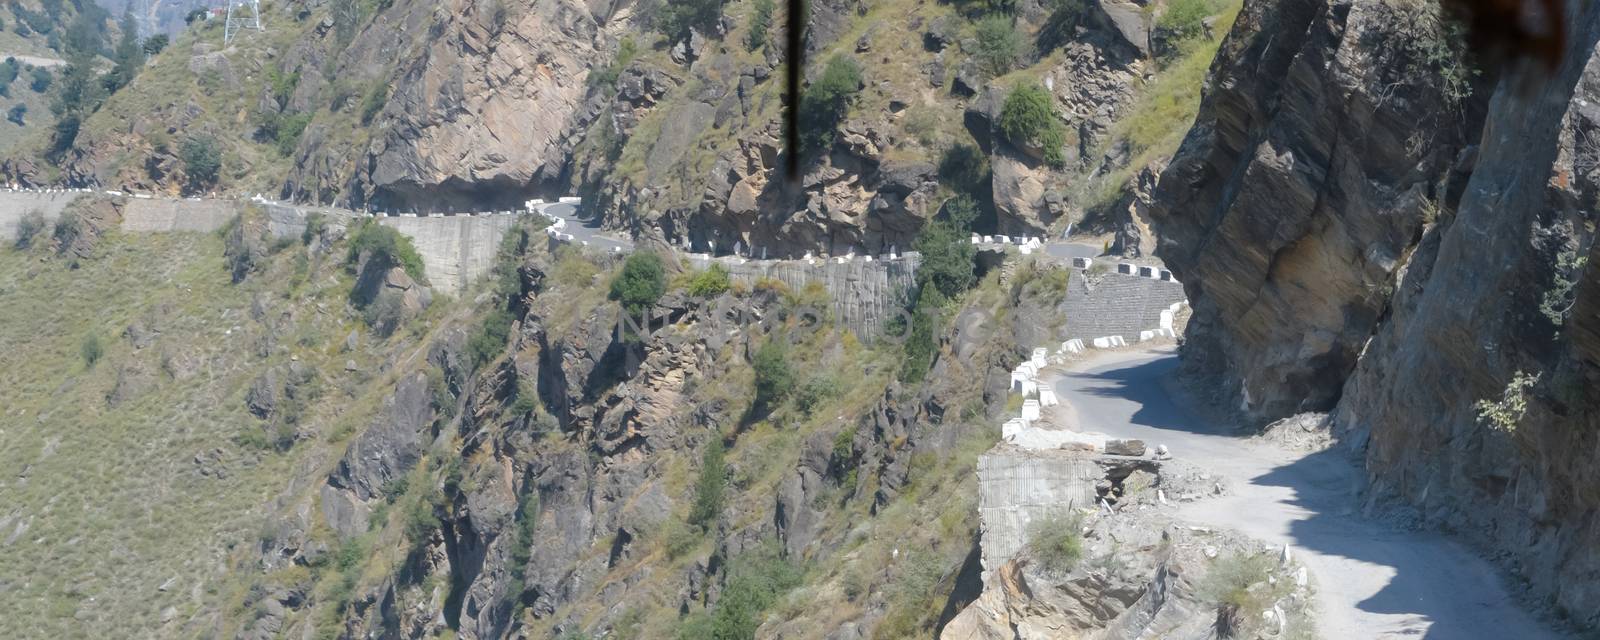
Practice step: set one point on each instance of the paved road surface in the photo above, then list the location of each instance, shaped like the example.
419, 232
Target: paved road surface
1373, 582
586, 231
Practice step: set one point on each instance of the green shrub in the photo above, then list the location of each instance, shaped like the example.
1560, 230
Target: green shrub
40, 80
756, 579
316, 225
156, 44
641, 283
28, 228
606, 77
774, 376
678, 17
999, 45
1057, 542
202, 161
526, 401
948, 257
713, 483
922, 344
826, 102
291, 126
816, 391
1184, 19
710, 283
372, 103
379, 242
1028, 119
68, 227
489, 340
760, 22
18, 114
91, 349
960, 213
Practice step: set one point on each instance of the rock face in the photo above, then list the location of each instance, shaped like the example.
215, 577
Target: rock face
1338, 260
485, 105
1294, 199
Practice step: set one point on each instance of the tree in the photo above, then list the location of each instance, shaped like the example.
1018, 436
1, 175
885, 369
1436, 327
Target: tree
713, 482
948, 259
679, 17
128, 58
41, 79
774, 377
156, 44
826, 102
202, 161
1028, 119
999, 44
760, 22
17, 113
642, 282
379, 242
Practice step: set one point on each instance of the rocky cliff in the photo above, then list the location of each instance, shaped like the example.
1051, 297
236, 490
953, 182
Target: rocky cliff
413, 106
1429, 285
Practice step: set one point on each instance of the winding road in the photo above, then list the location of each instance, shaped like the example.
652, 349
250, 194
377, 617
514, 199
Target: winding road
1372, 581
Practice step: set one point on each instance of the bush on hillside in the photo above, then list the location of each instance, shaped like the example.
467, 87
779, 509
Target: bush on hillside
92, 349
760, 22
948, 259
642, 282
709, 489
1028, 119
826, 103
923, 344
202, 161
678, 17
999, 45
774, 376
31, 225
1184, 19
379, 242
1057, 542
710, 283
489, 340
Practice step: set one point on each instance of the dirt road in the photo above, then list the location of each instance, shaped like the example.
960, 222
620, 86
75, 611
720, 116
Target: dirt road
1373, 581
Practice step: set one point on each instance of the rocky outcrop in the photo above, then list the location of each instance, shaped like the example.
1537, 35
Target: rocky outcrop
1432, 291
1297, 194
1140, 575
479, 115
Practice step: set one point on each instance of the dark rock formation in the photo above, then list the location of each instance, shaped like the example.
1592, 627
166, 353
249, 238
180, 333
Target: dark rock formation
1340, 257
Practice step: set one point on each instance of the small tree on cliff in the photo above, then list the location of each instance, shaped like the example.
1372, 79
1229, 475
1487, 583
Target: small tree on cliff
826, 102
1028, 119
642, 282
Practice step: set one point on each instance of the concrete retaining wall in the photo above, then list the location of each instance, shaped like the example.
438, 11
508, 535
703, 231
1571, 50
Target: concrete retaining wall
14, 205
151, 215
1017, 487
455, 249
1118, 305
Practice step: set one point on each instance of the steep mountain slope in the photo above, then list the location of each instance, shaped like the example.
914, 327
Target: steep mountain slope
473, 105
1431, 290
